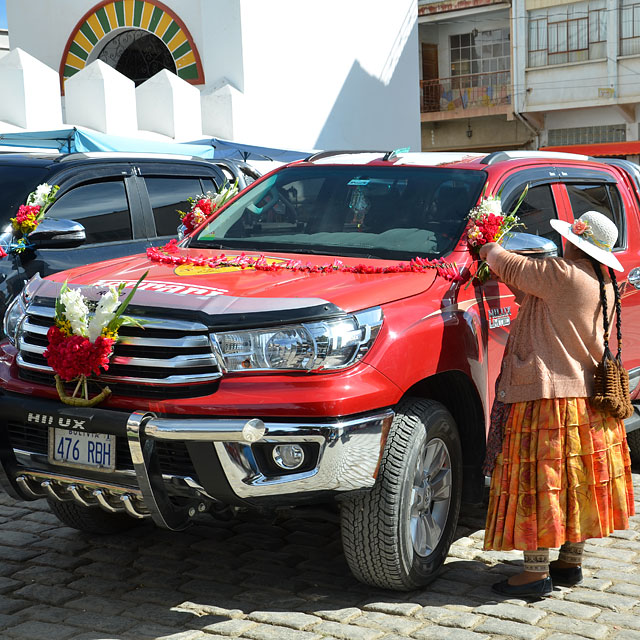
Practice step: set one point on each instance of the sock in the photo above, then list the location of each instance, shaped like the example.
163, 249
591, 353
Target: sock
571, 552
537, 561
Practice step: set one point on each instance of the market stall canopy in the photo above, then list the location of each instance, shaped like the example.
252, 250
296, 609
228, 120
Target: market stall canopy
77, 140
600, 149
248, 152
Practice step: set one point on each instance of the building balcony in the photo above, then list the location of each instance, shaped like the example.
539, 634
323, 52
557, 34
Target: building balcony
465, 96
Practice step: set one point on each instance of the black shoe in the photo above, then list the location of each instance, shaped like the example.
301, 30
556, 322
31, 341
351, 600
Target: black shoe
538, 589
567, 577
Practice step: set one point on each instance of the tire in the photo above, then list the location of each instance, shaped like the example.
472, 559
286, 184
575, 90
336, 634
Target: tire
397, 535
91, 519
633, 439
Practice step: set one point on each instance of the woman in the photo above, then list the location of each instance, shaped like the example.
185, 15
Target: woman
562, 469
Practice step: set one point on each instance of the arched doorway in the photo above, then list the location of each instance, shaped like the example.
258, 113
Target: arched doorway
114, 31
137, 54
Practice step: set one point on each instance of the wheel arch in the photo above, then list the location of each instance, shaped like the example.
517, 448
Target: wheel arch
456, 391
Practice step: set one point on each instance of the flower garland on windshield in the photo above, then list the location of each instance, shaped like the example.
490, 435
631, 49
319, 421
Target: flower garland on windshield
202, 206
29, 216
81, 343
166, 255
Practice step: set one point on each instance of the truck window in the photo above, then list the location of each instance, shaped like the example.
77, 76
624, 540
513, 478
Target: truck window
598, 197
167, 196
101, 207
535, 212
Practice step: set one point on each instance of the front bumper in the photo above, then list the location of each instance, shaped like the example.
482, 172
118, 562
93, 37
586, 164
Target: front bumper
223, 451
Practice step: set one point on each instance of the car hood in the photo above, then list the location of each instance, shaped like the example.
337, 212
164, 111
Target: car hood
237, 290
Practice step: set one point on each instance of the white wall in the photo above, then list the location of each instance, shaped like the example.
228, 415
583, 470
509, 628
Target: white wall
339, 74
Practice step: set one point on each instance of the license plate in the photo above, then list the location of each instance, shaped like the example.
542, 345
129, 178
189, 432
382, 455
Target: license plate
82, 449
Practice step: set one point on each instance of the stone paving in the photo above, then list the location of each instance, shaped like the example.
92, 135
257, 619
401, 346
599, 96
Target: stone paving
284, 578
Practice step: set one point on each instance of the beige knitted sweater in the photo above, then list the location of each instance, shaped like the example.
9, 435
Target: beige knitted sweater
556, 341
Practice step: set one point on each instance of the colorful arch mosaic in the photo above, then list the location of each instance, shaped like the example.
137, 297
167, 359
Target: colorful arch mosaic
150, 15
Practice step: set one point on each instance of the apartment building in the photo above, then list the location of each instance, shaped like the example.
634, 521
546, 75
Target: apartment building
466, 84
569, 80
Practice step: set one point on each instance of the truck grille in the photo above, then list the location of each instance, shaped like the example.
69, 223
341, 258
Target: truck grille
166, 358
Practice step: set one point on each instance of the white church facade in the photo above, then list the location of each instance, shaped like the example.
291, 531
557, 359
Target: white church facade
283, 73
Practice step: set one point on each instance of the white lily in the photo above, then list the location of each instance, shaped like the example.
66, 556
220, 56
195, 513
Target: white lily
105, 312
75, 311
492, 205
40, 195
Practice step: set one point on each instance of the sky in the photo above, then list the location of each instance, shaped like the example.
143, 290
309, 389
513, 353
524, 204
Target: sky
3, 14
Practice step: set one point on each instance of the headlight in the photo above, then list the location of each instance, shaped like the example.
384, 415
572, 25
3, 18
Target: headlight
13, 318
331, 344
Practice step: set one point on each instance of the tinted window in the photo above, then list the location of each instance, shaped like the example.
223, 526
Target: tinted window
386, 212
598, 197
168, 196
16, 183
535, 212
101, 207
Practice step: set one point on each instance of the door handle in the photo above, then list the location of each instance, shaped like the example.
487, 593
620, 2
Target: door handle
634, 277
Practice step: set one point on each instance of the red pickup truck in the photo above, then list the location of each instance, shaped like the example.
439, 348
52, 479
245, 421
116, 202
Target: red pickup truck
312, 342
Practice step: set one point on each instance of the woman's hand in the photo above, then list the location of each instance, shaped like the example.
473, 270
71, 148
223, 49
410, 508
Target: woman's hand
485, 248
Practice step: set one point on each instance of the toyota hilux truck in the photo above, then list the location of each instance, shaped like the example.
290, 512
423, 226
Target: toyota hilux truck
317, 340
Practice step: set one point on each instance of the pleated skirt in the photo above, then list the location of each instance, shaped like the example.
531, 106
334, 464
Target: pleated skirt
563, 475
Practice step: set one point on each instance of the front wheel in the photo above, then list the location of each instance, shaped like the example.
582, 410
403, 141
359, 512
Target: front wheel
398, 535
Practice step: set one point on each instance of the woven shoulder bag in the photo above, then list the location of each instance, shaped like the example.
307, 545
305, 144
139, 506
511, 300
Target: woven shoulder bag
611, 390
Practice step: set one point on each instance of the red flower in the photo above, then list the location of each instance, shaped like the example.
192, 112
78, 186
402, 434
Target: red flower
204, 205
73, 356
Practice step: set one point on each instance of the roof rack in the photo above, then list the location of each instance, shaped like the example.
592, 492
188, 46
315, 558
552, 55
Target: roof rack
327, 154
499, 156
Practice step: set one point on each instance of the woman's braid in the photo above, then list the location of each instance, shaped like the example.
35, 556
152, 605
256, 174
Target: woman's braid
616, 290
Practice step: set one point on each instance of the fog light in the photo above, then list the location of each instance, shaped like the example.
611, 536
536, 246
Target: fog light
288, 456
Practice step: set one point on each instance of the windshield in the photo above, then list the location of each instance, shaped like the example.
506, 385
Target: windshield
396, 212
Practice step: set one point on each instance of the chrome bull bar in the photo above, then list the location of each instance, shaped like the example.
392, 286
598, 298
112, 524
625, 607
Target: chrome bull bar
110, 497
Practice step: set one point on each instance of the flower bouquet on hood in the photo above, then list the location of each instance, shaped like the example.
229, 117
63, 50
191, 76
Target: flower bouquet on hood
488, 223
81, 342
28, 217
203, 206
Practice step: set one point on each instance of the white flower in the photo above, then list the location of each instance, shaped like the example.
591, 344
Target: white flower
75, 311
40, 195
105, 311
492, 205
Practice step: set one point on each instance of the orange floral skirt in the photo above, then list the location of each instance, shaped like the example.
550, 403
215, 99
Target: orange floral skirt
563, 475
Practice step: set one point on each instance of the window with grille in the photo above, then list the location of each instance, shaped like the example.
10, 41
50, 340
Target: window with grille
588, 135
479, 57
629, 27
567, 33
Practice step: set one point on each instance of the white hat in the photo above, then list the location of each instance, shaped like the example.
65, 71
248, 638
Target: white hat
595, 234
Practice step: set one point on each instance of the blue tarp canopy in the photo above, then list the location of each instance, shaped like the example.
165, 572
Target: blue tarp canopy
248, 152
75, 140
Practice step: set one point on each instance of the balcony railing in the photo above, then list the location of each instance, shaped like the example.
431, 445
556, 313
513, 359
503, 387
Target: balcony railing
465, 92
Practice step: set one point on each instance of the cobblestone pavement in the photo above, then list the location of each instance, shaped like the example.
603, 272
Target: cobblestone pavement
285, 578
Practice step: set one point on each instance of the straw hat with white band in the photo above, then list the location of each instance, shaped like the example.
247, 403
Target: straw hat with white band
595, 234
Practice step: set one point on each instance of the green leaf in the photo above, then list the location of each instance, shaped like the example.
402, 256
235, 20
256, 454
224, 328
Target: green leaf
112, 326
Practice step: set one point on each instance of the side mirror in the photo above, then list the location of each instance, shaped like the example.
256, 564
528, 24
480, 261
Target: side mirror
527, 244
57, 234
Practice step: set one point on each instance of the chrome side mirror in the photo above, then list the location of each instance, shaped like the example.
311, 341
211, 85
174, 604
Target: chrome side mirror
527, 244
57, 234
